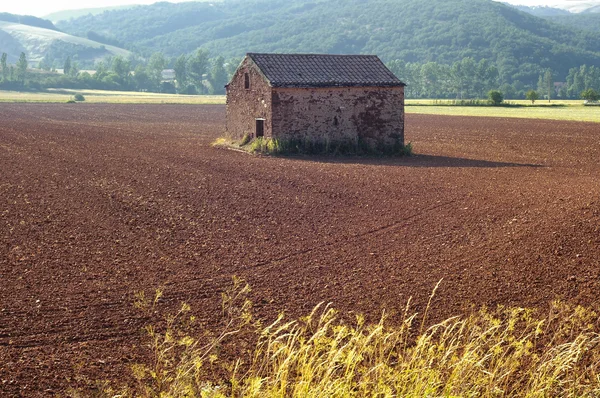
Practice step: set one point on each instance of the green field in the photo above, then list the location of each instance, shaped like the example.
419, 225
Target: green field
109, 97
557, 110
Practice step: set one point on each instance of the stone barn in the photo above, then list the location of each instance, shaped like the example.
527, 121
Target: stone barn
334, 98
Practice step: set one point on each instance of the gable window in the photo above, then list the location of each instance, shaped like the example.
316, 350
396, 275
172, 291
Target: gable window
246, 81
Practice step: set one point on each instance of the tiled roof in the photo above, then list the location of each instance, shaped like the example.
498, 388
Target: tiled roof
324, 70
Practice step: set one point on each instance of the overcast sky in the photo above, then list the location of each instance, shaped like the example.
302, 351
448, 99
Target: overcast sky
41, 8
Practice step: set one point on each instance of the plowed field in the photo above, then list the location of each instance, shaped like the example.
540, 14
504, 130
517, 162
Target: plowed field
98, 202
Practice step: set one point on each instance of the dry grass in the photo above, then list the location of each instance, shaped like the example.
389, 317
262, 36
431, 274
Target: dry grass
503, 352
556, 110
110, 97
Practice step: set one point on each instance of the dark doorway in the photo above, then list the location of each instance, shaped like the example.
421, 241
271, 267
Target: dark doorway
260, 128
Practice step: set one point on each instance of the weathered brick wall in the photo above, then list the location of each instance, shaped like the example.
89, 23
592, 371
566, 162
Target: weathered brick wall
373, 114
245, 106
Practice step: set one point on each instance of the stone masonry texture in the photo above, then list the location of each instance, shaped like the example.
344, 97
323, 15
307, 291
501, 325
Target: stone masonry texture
374, 115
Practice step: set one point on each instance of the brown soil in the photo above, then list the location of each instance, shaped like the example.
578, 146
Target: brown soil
98, 202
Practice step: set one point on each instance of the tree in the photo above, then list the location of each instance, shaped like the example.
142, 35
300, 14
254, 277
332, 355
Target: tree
495, 97
231, 66
155, 68
181, 71
141, 78
101, 71
532, 96
546, 84
549, 83
122, 69
22, 68
590, 95
463, 75
67, 66
4, 64
74, 69
486, 77
218, 76
197, 67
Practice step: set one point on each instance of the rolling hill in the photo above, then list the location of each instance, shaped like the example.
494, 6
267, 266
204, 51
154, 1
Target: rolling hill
71, 14
39, 44
27, 20
412, 30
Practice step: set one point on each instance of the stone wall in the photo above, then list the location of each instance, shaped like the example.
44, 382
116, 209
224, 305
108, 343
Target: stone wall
244, 106
375, 115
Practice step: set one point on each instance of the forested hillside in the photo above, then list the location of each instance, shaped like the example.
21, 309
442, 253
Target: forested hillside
445, 31
587, 21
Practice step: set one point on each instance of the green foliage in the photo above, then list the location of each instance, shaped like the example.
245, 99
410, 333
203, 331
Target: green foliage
495, 97
586, 21
218, 77
181, 74
155, 67
22, 68
79, 97
67, 66
4, 66
532, 96
122, 69
197, 67
245, 139
111, 41
590, 95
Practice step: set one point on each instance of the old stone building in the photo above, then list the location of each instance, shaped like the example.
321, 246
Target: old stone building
337, 98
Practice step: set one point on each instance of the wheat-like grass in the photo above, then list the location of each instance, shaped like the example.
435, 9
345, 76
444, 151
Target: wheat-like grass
505, 352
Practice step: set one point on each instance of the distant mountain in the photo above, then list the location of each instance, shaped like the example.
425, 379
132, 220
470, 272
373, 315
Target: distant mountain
48, 45
582, 6
71, 14
543, 11
584, 16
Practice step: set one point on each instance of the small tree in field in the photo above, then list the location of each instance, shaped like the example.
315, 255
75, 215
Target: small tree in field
495, 97
532, 96
590, 95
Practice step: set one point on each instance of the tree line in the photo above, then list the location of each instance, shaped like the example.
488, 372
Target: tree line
198, 73
469, 79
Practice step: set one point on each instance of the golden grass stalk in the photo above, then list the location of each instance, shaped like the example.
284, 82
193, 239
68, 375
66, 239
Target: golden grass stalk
505, 352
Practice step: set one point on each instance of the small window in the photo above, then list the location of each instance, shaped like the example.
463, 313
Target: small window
246, 81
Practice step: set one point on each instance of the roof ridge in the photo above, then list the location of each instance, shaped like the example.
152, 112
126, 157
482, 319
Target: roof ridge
320, 54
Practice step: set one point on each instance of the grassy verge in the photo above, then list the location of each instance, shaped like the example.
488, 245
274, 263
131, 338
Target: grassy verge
503, 352
556, 110
110, 97
273, 146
